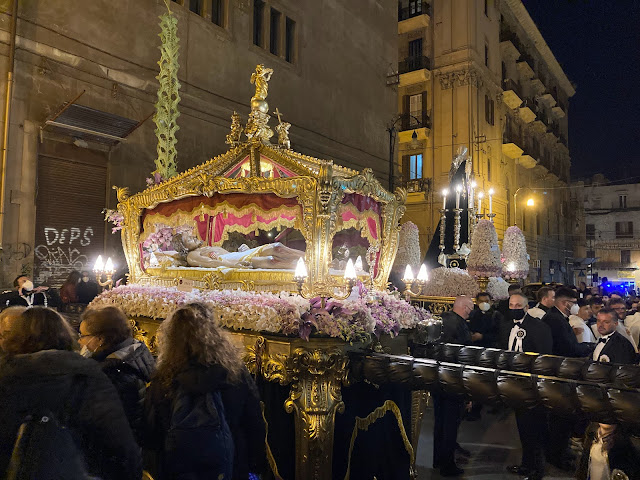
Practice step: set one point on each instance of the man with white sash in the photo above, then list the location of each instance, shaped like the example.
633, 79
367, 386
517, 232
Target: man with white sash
528, 334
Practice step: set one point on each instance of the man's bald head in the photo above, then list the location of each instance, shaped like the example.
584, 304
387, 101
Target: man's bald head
463, 306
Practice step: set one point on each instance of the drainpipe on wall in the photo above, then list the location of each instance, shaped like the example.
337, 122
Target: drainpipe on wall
5, 116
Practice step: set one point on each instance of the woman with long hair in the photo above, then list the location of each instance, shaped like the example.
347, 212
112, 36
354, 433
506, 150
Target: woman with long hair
41, 372
197, 358
106, 337
69, 289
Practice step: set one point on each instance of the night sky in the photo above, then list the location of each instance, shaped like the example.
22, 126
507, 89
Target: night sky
597, 42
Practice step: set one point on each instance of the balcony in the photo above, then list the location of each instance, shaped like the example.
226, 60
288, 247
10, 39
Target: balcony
410, 124
527, 161
414, 70
525, 68
511, 93
547, 99
526, 111
414, 17
416, 185
615, 265
511, 143
558, 111
537, 86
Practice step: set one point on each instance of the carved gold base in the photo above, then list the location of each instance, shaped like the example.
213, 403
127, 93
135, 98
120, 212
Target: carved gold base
316, 370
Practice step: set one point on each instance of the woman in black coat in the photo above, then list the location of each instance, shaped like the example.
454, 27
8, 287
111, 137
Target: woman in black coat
196, 358
105, 336
38, 373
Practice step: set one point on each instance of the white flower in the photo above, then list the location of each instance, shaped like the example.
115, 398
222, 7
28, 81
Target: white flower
484, 259
514, 253
498, 288
450, 282
408, 248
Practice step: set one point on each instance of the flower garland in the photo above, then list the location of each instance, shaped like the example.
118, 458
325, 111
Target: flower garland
115, 217
484, 259
408, 248
162, 237
514, 254
450, 282
498, 288
290, 314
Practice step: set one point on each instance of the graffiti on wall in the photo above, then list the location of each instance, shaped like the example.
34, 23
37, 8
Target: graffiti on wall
62, 252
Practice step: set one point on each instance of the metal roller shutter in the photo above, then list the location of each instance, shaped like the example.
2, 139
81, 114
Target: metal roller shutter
69, 220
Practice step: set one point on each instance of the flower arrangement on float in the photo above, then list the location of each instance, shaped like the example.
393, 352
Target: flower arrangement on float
408, 248
514, 254
114, 217
161, 239
450, 282
484, 259
498, 288
352, 320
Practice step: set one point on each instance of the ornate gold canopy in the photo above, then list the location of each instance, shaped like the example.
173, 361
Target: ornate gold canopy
328, 197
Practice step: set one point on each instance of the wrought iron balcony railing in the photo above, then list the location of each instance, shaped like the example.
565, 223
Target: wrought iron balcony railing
413, 10
410, 122
411, 64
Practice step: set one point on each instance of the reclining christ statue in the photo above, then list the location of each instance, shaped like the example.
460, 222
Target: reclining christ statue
271, 255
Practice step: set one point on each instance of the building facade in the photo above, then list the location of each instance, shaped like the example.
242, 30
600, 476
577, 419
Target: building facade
611, 241
84, 89
478, 74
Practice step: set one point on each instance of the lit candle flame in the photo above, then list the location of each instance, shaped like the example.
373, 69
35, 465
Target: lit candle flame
99, 265
423, 276
301, 269
408, 274
350, 271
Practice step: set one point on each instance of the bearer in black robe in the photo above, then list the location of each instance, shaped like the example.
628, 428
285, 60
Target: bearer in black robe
528, 334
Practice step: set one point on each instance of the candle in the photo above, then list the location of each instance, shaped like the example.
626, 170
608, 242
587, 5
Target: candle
490, 201
480, 195
350, 271
408, 275
108, 267
422, 274
458, 190
471, 194
99, 265
301, 270
444, 198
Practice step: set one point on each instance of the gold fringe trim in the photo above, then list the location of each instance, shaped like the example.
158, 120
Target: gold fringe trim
270, 458
360, 222
365, 423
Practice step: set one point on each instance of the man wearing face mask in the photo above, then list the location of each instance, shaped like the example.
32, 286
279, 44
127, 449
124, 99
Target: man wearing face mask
87, 289
447, 409
528, 334
565, 344
25, 294
484, 321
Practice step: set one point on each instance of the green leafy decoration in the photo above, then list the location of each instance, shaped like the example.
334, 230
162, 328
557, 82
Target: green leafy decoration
167, 113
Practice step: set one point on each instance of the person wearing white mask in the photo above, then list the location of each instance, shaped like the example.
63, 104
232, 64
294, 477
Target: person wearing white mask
484, 322
25, 294
580, 313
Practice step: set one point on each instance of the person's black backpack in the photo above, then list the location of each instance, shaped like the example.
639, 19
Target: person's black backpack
45, 448
199, 442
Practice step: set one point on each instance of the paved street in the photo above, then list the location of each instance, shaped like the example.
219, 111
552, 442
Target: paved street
493, 442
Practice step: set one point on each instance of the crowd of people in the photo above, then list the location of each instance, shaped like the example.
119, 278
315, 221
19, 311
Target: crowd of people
564, 321
95, 405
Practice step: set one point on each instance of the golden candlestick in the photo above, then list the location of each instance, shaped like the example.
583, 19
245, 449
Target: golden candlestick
107, 269
409, 281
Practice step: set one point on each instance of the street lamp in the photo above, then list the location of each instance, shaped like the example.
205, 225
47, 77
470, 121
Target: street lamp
392, 136
530, 203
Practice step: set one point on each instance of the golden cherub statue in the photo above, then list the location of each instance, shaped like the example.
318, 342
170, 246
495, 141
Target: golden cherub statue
260, 78
283, 131
233, 138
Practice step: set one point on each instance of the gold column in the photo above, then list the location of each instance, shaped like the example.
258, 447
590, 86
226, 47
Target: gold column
315, 398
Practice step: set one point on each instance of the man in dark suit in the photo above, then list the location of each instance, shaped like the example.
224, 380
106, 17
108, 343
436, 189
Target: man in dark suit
503, 305
565, 343
447, 409
484, 322
528, 334
612, 346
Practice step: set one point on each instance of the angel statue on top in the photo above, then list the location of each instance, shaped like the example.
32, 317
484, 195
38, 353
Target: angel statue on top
269, 256
261, 77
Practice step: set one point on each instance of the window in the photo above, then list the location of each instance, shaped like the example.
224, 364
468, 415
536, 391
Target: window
504, 71
274, 32
195, 6
258, 19
489, 168
217, 12
591, 231
289, 40
486, 7
625, 257
415, 110
486, 55
624, 229
622, 201
415, 48
489, 110
538, 226
415, 166
415, 7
